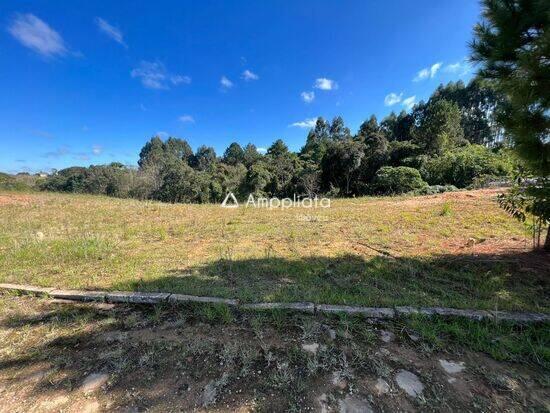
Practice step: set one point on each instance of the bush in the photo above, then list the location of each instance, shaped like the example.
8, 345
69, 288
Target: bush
461, 166
17, 183
435, 189
397, 180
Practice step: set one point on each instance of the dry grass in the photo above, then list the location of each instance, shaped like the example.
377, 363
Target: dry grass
455, 249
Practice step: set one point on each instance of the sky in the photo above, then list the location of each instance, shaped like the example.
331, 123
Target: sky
90, 82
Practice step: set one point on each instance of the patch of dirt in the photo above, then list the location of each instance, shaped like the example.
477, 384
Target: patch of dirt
15, 199
173, 360
423, 200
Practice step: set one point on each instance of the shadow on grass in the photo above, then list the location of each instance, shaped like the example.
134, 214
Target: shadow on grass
512, 281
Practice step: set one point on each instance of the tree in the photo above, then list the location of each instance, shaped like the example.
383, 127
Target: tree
477, 103
341, 162
204, 158
388, 125
283, 166
316, 142
251, 155
152, 153
339, 131
376, 155
309, 180
179, 183
398, 180
368, 127
512, 47
178, 148
257, 179
438, 127
234, 154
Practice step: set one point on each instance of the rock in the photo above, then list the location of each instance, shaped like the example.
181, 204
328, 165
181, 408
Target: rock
382, 386
311, 348
322, 401
451, 367
39, 236
209, 394
211, 390
330, 332
369, 312
353, 404
136, 297
93, 382
305, 307
183, 298
78, 295
386, 336
26, 289
471, 242
409, 383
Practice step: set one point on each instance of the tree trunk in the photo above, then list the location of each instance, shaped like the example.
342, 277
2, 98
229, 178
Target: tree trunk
547, 242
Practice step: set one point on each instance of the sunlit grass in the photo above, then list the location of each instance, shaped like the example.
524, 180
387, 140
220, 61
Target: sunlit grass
370, 251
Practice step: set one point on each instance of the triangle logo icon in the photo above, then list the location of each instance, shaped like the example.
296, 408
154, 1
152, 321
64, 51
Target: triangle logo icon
230, 201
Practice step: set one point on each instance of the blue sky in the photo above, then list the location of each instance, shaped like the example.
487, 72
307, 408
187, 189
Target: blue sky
89, 83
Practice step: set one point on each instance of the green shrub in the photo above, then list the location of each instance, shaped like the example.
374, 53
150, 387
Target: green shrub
435, 189
20, 182
461, 166
397, 180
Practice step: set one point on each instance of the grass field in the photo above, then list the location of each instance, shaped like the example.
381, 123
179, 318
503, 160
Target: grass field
455, 249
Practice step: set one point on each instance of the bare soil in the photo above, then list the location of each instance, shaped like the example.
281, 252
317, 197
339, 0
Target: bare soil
174, 360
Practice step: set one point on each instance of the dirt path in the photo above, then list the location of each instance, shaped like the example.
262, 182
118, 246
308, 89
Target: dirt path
98, 357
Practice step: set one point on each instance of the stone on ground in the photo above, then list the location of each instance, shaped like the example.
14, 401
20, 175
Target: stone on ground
386, 336
409, 383
311, 348
353, 404
93, 382
451, 367
382, 386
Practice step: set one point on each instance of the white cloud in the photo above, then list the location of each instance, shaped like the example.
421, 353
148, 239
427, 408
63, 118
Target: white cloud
307, 123
35, 34
460, 68
162, 134
226, 83
248, 75
153, 75
178, 79
111, 31
428, 72
409, 102
392, 99
261, 150
308, 97
96, 149
186, 119
325, 84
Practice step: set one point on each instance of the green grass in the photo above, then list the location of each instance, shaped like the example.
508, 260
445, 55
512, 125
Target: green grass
503, 341
368, 251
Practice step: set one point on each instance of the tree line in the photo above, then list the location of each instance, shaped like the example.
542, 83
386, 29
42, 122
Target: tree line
453, 140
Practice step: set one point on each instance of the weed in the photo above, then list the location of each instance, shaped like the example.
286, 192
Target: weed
445, 209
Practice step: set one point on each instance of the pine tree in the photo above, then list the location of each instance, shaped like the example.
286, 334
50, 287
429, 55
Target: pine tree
512, 47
